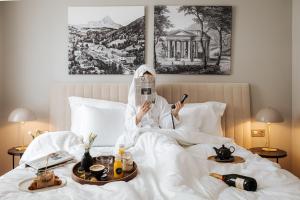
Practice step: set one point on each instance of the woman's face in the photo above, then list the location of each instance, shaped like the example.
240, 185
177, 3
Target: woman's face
148, 76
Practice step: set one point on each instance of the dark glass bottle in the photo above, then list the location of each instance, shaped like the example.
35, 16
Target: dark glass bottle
86, 161
236, 180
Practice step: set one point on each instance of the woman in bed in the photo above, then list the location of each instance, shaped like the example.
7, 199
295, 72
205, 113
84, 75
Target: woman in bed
148, 115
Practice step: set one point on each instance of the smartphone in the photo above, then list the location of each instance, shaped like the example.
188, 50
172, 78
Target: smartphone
183, 98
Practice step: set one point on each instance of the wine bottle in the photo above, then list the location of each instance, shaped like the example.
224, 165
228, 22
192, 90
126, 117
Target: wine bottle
236, 180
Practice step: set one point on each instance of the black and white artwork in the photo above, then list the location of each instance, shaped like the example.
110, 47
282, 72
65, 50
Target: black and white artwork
106, 40
192, 39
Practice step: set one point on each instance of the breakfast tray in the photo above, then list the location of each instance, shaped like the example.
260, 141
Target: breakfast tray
85, 178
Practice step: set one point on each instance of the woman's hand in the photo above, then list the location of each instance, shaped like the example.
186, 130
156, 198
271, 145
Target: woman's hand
142, 111
175, 111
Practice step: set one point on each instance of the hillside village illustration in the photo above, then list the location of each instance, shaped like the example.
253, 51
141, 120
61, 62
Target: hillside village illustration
104, 46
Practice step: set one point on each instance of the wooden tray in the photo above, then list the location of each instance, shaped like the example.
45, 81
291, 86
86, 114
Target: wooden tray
237, 159
85, 179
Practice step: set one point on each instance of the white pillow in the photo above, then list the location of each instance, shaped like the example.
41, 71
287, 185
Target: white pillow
82, 107
107, 124
203, 117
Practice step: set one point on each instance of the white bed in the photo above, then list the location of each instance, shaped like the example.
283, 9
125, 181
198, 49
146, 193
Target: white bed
166, 170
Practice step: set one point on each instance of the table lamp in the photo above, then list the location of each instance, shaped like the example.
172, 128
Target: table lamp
269, 115
21, 115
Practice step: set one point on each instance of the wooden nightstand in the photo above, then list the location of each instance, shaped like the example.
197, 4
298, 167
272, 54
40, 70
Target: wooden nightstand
14, 152
269, 154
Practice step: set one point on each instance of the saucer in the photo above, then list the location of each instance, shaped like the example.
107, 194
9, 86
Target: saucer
230, 159
233, 159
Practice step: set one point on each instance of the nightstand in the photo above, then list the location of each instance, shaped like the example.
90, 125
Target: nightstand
14, 152
269, 154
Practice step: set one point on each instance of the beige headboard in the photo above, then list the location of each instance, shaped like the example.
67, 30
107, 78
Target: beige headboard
235, 123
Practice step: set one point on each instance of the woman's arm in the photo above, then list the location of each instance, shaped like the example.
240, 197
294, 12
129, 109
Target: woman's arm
165, 118
175, 111
142, 111
133, 117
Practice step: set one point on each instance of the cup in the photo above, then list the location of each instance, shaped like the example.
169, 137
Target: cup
98, 170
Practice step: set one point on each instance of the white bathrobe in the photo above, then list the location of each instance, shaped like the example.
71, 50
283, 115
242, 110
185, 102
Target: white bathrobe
159, 116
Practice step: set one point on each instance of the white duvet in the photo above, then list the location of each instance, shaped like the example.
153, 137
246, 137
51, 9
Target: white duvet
166, 171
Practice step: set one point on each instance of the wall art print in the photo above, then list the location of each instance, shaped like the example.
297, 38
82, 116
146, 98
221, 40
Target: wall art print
192, 39
106, 40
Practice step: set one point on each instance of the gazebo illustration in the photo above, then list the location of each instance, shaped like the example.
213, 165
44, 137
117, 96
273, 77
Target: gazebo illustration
185, 45
192, 39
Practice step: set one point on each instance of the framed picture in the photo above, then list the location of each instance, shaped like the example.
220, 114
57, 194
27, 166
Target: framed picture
106, 40
192, 39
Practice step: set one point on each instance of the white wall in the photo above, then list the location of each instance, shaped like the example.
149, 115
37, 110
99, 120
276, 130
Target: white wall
1, 61
36, 53
296, 88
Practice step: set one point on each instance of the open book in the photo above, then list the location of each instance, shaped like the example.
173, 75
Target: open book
144, 90
54, 159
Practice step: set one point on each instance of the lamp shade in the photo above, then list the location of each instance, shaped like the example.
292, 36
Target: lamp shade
269, 115
21, 115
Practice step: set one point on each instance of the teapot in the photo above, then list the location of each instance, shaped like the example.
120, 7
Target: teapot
224, 153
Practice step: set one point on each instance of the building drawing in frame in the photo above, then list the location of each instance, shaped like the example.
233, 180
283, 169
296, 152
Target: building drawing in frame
192, 39
106, 40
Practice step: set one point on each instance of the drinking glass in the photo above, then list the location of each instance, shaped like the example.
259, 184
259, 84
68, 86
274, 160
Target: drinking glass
106, 159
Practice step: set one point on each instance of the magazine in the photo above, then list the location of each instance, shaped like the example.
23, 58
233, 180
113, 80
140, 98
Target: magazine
54, 160
144, 90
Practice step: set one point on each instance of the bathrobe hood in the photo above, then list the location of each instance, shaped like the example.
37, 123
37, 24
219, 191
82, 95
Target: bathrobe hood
138, 73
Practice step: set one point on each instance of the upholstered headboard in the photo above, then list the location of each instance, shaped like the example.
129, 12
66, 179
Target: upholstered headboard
235, 123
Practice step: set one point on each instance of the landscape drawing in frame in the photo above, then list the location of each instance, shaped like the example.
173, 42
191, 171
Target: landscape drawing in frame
192, 39
106, 40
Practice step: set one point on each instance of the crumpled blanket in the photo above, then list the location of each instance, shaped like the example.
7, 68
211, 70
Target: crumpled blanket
167, 170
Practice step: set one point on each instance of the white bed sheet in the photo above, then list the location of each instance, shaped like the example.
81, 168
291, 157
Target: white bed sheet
166, 171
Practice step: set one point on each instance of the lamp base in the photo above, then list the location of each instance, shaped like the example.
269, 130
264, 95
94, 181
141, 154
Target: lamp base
21, 148
268, 149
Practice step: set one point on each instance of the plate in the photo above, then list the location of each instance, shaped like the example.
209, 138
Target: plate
23, 185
